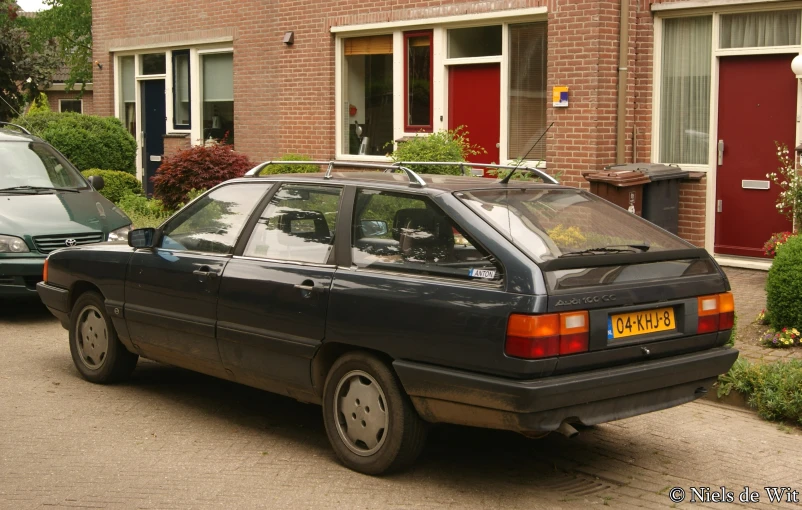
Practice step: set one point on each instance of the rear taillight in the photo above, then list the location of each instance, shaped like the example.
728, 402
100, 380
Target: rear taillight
44, 271
543, 336
716, 312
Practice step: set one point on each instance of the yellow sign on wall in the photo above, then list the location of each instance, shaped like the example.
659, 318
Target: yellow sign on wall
560, 97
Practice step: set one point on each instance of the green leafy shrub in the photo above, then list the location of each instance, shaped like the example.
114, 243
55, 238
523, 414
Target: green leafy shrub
87, 141
199, 167
784, 286
40, 104
291, 169
116, 184
452, 145
144, 212
773, 389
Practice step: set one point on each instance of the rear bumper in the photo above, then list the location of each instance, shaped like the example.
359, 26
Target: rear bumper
18, 276
57, 300
541, 405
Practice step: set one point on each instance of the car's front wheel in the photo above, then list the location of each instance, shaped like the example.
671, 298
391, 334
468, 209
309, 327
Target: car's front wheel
369, 420
98, 354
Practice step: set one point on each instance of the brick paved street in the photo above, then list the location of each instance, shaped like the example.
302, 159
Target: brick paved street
174, 439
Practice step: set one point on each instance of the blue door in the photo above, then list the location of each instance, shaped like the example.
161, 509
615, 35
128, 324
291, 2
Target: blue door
155, 123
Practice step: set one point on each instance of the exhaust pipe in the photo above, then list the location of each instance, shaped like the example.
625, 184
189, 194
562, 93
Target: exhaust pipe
567, 430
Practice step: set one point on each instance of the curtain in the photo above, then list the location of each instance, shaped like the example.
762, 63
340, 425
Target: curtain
759, 29
218, 77
685, 90
527, 94
128, 80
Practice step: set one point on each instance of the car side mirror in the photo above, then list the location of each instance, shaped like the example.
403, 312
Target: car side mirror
373, 228
97, 182
141, 237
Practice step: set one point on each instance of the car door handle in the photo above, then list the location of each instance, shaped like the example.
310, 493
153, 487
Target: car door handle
205, 271
308, 286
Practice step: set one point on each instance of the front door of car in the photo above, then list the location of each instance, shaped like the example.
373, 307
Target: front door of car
171, 290
274, 297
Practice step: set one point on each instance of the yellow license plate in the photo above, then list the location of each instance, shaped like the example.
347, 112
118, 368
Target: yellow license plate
640, 323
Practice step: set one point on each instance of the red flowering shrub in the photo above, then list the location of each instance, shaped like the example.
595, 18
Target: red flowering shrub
773, 244
198, 168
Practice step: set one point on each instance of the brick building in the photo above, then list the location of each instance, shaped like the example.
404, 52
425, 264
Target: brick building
278, 77
61, 100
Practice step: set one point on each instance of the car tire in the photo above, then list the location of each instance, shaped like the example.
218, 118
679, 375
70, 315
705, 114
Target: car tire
370, 421
98, 354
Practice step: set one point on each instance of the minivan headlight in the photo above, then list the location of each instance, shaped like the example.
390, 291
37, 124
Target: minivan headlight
11, 244
121, 234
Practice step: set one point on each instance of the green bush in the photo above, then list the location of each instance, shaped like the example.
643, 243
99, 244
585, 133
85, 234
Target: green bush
144, 212
88, 141
773, 389
784, 286
452, 145
116, 184
291, 169
40, 104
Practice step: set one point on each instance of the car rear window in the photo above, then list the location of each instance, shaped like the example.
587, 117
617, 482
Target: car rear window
548, 224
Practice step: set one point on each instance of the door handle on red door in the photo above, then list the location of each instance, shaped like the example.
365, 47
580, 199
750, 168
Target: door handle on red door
721, 152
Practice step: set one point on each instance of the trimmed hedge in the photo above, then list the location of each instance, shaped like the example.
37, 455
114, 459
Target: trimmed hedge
116, 184
88, 141
784, 286
291, 169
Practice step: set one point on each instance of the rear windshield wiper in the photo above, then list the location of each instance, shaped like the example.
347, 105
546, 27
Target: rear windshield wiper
38, 188
613, 248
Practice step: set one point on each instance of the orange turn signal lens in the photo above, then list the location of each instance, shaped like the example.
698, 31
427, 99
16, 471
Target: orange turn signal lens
44, 271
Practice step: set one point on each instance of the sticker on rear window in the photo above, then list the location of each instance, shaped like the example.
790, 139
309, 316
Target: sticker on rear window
483, 273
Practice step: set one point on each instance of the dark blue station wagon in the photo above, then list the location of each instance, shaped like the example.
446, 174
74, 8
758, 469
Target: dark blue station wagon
397, 300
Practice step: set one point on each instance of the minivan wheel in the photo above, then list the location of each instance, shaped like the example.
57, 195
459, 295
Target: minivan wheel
369, 420
96, 351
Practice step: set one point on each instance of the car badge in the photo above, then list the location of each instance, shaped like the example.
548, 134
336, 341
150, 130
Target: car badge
70, 242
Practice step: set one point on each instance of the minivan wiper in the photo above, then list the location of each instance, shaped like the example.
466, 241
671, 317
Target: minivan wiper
613, 248
38, 188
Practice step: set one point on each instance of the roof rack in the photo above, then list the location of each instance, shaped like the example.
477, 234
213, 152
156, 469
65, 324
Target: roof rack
16, 126
540, 173
415, 180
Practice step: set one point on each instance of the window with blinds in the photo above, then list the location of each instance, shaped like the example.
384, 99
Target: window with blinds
527, 90
367, 110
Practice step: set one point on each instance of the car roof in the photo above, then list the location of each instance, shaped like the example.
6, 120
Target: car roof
400, 182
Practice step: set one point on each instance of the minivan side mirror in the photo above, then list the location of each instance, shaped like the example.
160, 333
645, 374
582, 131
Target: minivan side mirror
97, 182
141, 237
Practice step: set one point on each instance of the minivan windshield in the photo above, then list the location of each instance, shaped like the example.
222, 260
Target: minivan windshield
35, 165
558, 223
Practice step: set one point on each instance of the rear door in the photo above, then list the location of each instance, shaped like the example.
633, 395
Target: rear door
171, 291
274, 296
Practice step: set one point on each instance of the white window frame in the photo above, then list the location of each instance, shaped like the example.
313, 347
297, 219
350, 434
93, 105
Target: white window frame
80, 101
195, 131
710, 168
440, 64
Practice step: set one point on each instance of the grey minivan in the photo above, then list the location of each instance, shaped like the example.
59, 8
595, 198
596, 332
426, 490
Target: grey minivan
45, 204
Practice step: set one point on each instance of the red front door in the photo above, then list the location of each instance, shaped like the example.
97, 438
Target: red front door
474, 101
757, 105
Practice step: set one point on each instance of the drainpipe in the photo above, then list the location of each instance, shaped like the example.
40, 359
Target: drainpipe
621, 116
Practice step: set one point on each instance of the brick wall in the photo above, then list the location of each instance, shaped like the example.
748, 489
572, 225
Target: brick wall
284, 95
53, 97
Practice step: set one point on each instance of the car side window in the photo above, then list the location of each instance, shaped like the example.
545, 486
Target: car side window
212, 223
403, 232
298, 224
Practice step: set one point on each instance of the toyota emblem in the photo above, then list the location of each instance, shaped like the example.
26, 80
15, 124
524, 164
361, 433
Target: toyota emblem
70, 242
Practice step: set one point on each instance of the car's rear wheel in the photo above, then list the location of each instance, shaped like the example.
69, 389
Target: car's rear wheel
369, 420
98, 354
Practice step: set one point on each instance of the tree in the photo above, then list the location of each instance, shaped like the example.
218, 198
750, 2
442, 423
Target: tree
67, 25
23, 71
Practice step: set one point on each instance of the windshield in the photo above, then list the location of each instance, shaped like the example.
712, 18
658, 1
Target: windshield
556, 223
36, 165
